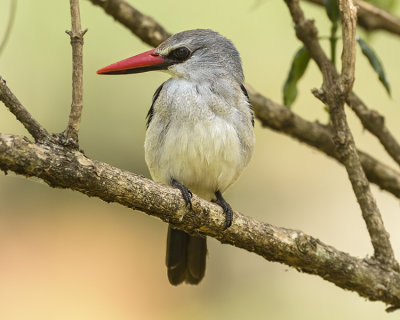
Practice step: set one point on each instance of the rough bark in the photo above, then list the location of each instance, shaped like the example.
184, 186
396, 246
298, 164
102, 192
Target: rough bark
76, 34
62, 168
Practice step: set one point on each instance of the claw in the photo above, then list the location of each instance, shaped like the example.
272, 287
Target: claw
186, 193
226, 207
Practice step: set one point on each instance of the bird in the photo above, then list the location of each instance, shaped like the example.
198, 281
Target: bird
200, 131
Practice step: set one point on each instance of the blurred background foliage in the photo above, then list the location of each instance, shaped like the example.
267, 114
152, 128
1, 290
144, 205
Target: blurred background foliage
388, 5
66, 256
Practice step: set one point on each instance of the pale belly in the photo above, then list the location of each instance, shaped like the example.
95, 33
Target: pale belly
205, 157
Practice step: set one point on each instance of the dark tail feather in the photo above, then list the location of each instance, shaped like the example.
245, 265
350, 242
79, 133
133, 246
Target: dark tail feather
177, 243
186, 257
196, 259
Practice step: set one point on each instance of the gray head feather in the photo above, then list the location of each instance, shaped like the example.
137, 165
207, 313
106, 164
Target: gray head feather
212, 56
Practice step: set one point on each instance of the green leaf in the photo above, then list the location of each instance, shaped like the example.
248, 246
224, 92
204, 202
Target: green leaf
375, 63
297, 69
332, 10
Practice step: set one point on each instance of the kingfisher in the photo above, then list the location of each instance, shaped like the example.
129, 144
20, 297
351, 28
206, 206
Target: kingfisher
200, 131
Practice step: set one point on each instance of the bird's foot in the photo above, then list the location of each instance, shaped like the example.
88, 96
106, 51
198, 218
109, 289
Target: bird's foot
186, 193
226, 207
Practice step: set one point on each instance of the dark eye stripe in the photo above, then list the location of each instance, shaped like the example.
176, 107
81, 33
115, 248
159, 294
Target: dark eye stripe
180, 54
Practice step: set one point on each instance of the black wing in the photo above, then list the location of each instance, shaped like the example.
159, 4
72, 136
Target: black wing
151, 111
248, 100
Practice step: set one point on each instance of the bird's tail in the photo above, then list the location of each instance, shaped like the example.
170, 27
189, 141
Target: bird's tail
186, 257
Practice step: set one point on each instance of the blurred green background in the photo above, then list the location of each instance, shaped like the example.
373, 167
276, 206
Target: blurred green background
66, 256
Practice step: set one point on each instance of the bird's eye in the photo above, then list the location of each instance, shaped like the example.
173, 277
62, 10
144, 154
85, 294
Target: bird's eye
180, 54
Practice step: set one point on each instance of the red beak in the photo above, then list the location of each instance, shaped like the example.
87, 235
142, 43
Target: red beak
143, 62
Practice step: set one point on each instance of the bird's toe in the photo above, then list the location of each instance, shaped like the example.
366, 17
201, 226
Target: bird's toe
226, 207
186, 193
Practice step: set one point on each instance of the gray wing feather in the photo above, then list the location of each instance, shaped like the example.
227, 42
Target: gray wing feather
248, 100
149, 116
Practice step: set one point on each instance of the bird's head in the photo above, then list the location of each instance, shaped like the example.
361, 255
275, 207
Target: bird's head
199, 54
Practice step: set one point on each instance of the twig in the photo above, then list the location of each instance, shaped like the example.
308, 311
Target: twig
334, 94
76, 35
39, 133
71, 169
372, 18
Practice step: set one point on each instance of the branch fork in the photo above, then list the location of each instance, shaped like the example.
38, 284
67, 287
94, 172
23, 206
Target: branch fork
334, 92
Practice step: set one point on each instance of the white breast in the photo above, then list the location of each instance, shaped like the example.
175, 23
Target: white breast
198, 138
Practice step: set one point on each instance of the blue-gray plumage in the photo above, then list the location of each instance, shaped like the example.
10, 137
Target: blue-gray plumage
199, 134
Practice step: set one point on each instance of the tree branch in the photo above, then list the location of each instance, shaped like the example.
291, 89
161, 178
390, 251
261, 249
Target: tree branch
66, 168
63, 168
372, 18
76, 34
39, 133
334, 94
371, 120
318, 136
141, 25
375, 123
